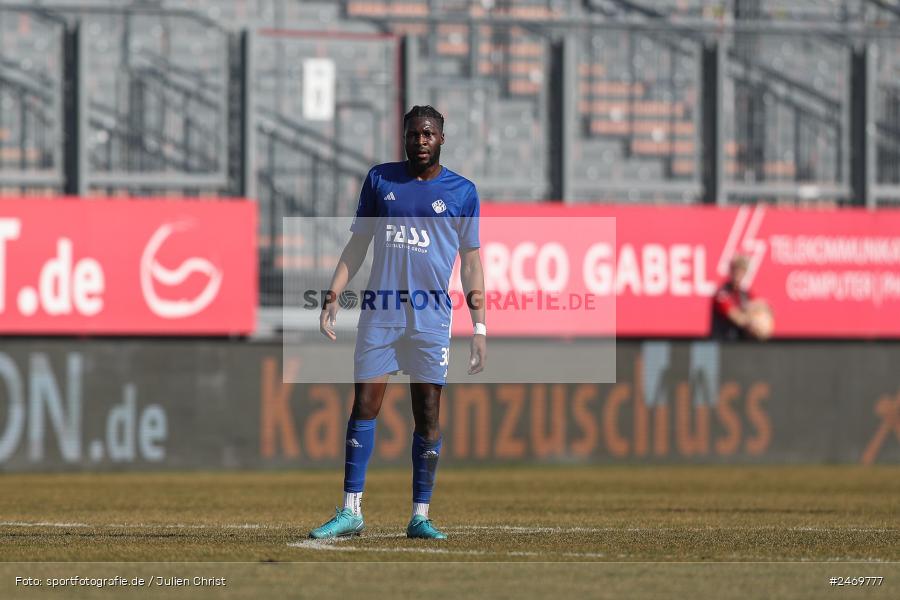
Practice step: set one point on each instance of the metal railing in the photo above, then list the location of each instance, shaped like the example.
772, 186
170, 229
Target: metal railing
31, 102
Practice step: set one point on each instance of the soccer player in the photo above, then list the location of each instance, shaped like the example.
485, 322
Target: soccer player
420, 215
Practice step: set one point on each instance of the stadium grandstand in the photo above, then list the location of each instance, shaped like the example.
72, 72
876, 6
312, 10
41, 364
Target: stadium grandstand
591, 101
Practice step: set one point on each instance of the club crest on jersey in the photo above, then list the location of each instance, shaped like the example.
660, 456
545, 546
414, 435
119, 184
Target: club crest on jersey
438, 206
396, 235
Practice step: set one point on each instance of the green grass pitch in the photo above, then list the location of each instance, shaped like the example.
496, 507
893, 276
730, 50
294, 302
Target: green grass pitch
606, 519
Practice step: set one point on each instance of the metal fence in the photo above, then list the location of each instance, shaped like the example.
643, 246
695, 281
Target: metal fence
885, 87
31, 101
307, 166
112, 102
156, 99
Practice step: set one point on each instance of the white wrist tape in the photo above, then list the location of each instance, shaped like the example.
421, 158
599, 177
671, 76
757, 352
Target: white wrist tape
480, 329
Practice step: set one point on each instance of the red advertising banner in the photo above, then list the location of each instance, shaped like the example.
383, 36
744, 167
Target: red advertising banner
154, 266
825, 273
541, 277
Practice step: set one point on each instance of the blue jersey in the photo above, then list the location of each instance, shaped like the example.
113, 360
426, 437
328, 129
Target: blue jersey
418, 228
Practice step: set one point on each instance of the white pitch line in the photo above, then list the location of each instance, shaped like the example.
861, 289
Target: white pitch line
333, 545
460, 529
538, 529
133, 525
848, 529
457, 530
42, 524
339, 546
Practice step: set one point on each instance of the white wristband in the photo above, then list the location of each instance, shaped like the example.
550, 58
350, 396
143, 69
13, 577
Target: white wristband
480, 329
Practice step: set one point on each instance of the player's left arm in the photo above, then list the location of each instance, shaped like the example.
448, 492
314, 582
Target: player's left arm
472, 276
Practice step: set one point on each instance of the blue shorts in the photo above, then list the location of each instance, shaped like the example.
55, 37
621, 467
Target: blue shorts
424, 356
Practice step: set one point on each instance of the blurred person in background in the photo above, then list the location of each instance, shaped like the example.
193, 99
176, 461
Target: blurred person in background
736, 313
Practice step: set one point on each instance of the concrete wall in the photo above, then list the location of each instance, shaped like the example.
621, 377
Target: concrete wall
176, 404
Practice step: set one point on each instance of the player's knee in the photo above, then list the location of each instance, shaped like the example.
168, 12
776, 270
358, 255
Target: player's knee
430, 432
428, 423
364, 408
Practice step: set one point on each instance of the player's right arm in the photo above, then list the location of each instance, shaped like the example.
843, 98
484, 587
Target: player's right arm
353, 255
351, 260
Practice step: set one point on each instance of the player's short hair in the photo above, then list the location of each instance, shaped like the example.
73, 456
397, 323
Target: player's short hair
739, 261
427, 111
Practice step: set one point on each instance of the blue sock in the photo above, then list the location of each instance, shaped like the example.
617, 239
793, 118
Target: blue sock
425, 457
358, 450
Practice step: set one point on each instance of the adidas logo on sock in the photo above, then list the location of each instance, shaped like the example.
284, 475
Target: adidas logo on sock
430, 454
353, 443
390, 196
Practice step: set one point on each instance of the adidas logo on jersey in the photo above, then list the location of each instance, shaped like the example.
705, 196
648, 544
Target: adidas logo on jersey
390, 196
353, 443
438, 206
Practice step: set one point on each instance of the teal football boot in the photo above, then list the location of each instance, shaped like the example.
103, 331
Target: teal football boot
422, 527
344, 523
